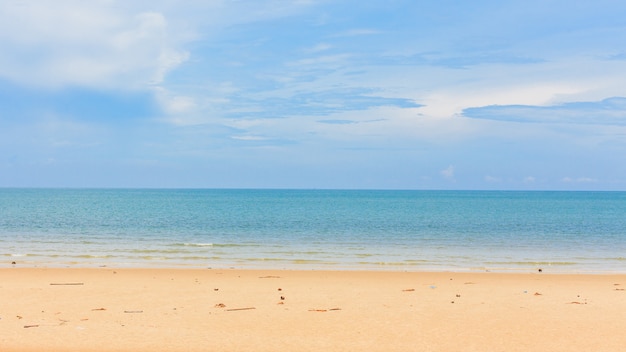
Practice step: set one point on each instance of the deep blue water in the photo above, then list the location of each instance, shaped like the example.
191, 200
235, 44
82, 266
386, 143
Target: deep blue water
315, 229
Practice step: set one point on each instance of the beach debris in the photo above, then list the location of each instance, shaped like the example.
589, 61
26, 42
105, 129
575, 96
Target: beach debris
67, 284
99, 309
408, 290
433, 286
269, 277
280, 289
537, 294
220, 305
576, 302
540, 270
216, 289
235, 309
324, 310
13, 263
282, 298
31, 326
133, 311
458, 295
19, 317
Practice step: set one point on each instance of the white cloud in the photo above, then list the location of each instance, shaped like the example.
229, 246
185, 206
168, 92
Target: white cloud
178, 104
492, 179
96, 44
578, 180
448, 173
529, 179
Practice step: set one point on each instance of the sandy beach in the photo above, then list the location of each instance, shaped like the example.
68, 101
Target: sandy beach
107, 309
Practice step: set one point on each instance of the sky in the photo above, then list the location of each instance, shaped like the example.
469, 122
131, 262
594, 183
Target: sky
396, 94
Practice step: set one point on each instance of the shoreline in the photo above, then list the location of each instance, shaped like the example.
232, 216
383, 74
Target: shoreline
181, 309
545, 267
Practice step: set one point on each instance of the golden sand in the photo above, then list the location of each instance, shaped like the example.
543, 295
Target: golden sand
259, 310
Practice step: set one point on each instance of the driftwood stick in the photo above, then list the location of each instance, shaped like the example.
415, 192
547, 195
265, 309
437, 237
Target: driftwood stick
234, 309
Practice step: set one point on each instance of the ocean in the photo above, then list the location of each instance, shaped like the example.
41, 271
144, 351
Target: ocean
503, 231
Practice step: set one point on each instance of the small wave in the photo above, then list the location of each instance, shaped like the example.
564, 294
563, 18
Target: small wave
152, 251
531, 263
384, 263
192, 258
310, 261
198, 244
89, 256
219, 245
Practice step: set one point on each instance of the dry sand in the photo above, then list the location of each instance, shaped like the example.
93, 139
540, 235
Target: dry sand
258, 310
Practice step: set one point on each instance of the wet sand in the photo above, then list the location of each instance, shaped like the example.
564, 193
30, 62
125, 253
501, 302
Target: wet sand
109, 309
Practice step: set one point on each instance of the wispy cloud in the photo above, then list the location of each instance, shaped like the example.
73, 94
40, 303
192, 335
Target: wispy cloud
320, 103
357, 32
444, 59
337, 122
578, 180
611, 111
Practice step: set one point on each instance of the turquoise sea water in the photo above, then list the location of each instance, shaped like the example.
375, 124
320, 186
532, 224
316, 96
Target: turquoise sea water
315, 229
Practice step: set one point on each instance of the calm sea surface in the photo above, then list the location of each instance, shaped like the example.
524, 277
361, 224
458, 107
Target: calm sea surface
315, 229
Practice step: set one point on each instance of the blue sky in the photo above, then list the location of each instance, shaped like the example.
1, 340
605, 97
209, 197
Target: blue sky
313, 94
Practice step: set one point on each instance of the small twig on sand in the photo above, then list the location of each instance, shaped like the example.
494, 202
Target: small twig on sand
234, 309
323, 310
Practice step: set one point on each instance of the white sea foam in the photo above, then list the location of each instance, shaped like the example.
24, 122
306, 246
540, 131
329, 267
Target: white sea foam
198, 244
